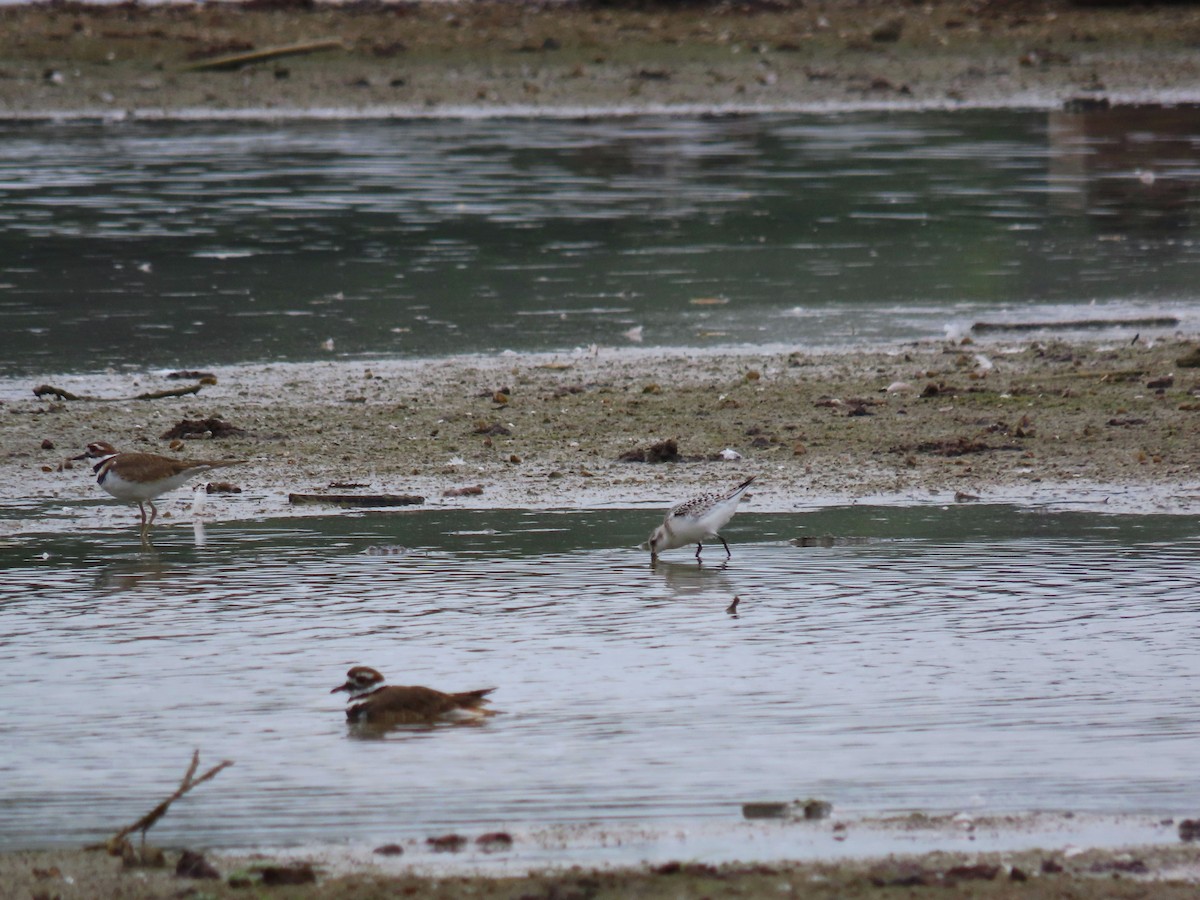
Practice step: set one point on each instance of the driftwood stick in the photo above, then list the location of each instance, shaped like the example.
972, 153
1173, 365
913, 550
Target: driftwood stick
43, 390
171, 392
238, 60
146, 822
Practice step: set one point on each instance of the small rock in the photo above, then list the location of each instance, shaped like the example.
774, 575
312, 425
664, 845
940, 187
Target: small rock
980, 872
817, 809
213, 426
770, 810
888, 31
299, 873
193, 865
1189, 830
663, 451
446, 843
1190, 360
389, 850
494, 841
47, 444
191, 375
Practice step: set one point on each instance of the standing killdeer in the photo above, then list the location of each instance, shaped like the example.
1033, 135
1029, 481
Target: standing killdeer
696, 520
383, 705
140, 477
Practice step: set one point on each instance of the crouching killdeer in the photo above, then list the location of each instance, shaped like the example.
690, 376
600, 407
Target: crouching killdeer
382, 705
140, 477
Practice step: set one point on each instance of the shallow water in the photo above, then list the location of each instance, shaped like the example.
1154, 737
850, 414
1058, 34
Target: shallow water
970, 657
185, 245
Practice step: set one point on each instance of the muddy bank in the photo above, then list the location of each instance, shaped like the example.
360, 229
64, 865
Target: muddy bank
1112, 426
1166, 870
534, 59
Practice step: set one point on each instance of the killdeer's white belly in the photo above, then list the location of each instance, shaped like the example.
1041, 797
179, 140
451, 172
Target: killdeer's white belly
137, 491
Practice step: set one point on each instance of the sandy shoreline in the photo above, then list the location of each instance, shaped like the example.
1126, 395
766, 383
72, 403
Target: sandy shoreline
497, 58
1037, 855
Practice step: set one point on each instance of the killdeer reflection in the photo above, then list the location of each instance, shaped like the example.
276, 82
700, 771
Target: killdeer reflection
140, 477
383, 705
696, 520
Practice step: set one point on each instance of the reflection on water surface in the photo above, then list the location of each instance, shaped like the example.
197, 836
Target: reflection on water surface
970, 657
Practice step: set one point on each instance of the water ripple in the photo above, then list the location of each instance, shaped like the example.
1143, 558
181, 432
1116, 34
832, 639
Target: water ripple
923, 670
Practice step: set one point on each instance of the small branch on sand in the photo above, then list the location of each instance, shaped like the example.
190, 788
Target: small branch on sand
172, 392
238, 60
116, 845
43, 390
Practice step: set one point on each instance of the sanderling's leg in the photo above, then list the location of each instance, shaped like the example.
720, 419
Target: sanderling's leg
699, 547
727, 553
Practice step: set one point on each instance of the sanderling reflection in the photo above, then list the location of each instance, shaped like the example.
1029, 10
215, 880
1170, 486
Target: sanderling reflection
695, 521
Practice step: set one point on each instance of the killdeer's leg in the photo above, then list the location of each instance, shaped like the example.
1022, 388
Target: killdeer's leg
153, 512
143, 509
727, 553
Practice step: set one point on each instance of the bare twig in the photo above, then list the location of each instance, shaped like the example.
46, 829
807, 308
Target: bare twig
172, 392
43, 390
238, 60
115, 843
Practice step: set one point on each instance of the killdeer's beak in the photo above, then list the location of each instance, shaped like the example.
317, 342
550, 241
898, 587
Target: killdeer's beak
82, 455
341, 687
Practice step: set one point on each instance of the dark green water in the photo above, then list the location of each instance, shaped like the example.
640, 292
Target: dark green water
184, 245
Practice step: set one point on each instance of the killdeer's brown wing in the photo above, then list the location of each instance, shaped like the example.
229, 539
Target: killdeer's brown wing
152, 467
405, 704
212, 463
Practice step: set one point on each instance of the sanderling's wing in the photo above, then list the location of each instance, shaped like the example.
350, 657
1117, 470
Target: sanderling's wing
695, 507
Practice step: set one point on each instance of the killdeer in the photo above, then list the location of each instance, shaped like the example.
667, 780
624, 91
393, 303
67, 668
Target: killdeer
140, 477
696, 520
383, 705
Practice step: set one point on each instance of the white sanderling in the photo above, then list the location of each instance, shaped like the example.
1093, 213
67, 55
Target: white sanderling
695, 521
